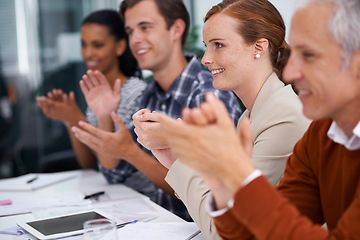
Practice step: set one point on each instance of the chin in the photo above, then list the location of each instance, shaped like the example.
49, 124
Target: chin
314, 114
220, 86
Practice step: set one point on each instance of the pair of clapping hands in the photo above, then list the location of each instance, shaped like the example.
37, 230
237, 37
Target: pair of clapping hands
204, 139
99, 95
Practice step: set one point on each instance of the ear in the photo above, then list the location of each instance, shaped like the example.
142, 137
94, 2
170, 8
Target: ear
261, 46
355, 64
121, 47
178, 29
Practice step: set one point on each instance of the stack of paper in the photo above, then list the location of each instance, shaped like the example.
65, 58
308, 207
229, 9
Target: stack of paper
33, 181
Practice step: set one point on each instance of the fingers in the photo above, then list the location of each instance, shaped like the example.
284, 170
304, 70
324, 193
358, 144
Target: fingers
170, 126
100, 78
83, 87
139, 113
220, 113
72, 96
117, 120
95, 132
87, 137
92, 79
57, 94
117, 87
150, 117
195, 116
204, 114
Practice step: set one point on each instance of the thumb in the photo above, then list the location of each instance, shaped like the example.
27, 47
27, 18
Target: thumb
117, 87
222, 115
117, 120
72, 95
246, 136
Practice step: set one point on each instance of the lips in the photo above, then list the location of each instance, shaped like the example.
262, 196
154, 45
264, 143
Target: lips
217, 71
92, 64
142, 51
303, 92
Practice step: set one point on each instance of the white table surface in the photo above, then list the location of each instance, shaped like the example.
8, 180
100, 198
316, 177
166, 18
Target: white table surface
89, 181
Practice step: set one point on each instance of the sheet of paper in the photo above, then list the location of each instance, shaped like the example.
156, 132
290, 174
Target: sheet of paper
123, 210
33, 181
45, 201
156, 231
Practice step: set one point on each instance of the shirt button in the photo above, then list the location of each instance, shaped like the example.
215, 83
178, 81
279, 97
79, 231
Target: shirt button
163, 107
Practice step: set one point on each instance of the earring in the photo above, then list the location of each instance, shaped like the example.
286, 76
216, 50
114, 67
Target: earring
257, 56
119, 54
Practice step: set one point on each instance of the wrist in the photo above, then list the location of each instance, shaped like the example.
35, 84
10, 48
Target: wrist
236, 176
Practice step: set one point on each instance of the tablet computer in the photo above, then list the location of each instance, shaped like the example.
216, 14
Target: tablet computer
62, 226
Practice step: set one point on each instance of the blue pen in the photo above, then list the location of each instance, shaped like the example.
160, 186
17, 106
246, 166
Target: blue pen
124, 224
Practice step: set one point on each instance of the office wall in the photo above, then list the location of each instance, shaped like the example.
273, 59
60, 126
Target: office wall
285, 7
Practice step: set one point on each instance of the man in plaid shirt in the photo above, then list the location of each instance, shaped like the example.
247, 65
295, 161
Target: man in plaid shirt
157, 31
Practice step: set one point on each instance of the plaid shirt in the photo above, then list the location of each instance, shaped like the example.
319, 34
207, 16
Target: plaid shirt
188, 90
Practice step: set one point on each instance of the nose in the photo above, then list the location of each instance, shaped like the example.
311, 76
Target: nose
292, 70
87, 52
206, 59
135, 37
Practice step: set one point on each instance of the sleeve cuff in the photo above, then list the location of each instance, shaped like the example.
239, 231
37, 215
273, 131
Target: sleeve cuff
211, 206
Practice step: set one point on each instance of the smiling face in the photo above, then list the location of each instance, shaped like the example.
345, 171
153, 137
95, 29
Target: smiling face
150, 41
227, 56
315, 66
99, 48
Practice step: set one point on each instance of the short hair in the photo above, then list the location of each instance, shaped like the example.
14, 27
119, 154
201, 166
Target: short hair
258, 19
112, 20
344, 25
169, 9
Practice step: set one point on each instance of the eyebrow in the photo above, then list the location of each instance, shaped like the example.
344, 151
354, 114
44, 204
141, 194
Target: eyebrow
139, 24
216, 39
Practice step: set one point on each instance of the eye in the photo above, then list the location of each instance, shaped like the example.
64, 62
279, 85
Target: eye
99, 45
219, 45
129, 32
144, 27
307, 54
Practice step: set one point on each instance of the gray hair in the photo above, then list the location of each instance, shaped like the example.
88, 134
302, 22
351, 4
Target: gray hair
344, 26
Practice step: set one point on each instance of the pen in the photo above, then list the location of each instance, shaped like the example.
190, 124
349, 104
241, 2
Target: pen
31, 180
124, 224
94, 195
193, 235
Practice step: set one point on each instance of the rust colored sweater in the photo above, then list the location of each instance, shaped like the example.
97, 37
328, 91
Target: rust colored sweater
320, 185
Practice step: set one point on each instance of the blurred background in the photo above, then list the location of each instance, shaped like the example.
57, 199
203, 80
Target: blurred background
39, 51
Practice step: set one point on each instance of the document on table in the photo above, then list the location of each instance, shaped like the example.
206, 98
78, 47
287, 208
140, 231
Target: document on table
156, 231
33, 181
40, 201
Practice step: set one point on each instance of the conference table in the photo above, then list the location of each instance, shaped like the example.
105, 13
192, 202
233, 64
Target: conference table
85, 182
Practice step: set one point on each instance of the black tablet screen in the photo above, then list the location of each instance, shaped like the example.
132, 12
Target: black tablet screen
64, 224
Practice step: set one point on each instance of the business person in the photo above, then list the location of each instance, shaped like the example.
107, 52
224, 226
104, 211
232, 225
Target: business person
112, 73
246, 53
321, 180
157, 32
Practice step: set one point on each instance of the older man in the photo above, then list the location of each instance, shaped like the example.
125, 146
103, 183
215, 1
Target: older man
321, 183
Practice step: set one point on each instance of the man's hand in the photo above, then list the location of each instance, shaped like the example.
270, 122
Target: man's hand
116, 145
147, 128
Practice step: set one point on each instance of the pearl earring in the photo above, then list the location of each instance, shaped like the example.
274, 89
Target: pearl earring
257, 56
119, 54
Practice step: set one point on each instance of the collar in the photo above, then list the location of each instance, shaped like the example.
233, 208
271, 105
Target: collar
179, 90
336, 134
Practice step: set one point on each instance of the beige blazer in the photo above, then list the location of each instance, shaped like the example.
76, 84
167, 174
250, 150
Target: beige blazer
277, 123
